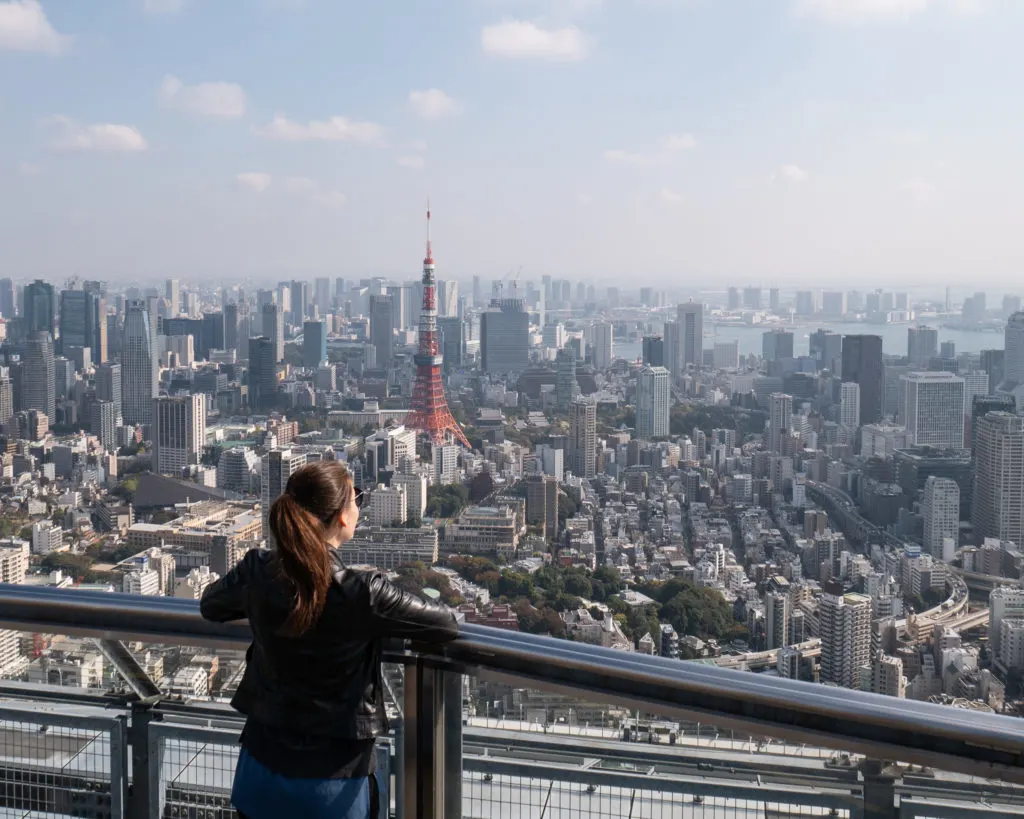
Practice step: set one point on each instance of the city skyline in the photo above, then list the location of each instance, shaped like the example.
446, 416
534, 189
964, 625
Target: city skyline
833, 139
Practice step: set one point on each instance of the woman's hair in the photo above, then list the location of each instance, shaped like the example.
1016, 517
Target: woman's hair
300, 520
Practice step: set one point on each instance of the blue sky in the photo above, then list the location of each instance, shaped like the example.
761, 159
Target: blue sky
669, 142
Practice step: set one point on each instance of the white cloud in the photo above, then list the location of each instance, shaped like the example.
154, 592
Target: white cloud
100, 137
333, 129
670, 196
626, 157
680, 142
859, 12
920, 190
28, 169
304, 188
255, 181
163, 6
433, 103
416, 163
206, 99
24, 27
526, 40
793, 174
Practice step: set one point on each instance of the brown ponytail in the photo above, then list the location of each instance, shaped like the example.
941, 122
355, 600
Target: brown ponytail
300, 521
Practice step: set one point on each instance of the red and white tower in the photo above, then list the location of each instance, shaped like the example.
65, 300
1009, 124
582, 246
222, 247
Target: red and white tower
429, 408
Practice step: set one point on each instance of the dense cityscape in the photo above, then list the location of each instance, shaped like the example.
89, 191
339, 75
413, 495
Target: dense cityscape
821, 509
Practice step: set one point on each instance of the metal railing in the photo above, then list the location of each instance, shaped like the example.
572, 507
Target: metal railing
432, 768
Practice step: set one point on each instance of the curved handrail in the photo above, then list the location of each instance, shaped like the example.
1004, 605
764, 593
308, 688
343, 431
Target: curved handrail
885, 727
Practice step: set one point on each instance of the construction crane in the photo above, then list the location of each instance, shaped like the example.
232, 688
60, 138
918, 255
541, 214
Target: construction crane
500, 284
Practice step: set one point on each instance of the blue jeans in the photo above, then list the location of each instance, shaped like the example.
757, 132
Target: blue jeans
259, 793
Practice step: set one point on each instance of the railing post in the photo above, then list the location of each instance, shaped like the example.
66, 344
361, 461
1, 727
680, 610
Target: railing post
879, 789
139, 804
452, 771
423, 760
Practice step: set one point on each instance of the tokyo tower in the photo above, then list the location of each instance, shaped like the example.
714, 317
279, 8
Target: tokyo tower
429, 411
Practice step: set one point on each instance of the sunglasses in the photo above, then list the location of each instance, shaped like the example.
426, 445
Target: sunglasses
360, 495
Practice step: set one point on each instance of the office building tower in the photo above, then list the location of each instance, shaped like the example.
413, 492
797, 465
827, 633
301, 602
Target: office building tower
8, 304
567, 389
998, 504
583, 438
1004, 602
845, 626
726, 355
262, 373
6, 395
981, 405
172, 295
299, 302
322, 294
780, 420
940, 508
922, 345
39, 306
849, 405
805, 303
63, 377
776, 344
231, 326
542, 504
452, 342
673, 349
653, 354
273, 329
80, 319
505, 337
603, 345
887, 674
826, 348
1013, 360
211, 335
752, 298
947, 349
776, 615
691, 324
933, 409
653, 399
733, 299
139, 370
314, 343
108, 385
994, 363
862, 363
179, 432
103, 419
38, 386
553, 335
448, 298
276, 467
833, 303
773, 299
382, 329
478, 298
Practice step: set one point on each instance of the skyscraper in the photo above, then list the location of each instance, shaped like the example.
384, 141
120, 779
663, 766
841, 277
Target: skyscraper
691, 322
726, 355
172, 295
39, 308
673, 349
653, 354
505, 337
653, 397
108, 385
1013, 360
845, 626
7, 301
776, 344
38, 391
998, 506
780, 420
567, 389
862, 363
940, 508
273, 329
179, 432
982, 405
300, 302
849, 405
262, 373
603, 345
277, 467
922, 345
139, 371
322, 294
103, 420
752, 298
231, 326
933, 409
827, 348
81, 316
382, 329
583, 438
542, 503
314, 343
6, 395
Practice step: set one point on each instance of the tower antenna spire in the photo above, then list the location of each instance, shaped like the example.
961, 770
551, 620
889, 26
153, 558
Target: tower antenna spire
430, 255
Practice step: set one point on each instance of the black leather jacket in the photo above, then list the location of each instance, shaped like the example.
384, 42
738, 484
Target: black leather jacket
328, 680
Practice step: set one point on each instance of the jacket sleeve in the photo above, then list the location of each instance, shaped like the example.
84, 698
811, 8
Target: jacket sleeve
396, 613
227, 599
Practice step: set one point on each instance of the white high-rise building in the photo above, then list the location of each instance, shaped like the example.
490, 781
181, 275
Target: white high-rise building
1003, 602
278, 466
583, 438
602, 333
845, 626
776, 612
192, 586
415, 487
691, 324
172, 294
849, 405
727, 355
653, 399
179, 432
46, 537
388, 506
940, 508
933, 408
139, 371
997, 508
887, 676
142, 581
780, 420
446, 463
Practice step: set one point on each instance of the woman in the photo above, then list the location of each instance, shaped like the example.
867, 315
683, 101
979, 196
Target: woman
312, 691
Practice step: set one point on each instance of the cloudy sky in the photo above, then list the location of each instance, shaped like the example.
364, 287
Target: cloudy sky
671, 142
